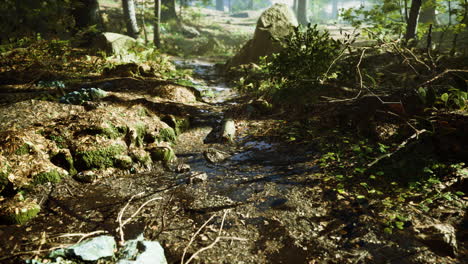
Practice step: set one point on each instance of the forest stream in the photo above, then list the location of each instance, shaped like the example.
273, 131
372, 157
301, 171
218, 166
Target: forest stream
260, 199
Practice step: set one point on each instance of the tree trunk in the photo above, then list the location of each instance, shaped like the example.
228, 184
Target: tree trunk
428, 12
157, 23
220, 5
302, 12
168, 12
294, 7
86, 13
334, 14
250, 5
412, 25
130, 18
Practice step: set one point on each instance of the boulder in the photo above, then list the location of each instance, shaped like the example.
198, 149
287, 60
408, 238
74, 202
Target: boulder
274, 24
114, 44
439, 237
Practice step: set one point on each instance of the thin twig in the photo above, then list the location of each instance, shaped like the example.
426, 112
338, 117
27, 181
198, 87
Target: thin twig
402, 145
120, 215
217, 239
193, 238
441, 75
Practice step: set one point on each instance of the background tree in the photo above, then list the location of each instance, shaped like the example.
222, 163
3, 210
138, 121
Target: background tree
412, 25
130, 18
302, 11
157, 23
220, 5
86, 13
168, 10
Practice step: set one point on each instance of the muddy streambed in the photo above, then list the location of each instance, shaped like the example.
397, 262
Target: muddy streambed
266, 202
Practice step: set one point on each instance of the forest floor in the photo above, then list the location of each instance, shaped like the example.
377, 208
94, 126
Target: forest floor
282, 192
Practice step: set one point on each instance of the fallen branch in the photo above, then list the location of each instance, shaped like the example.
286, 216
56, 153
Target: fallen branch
217, 239
401, 146
120, 215
440, 76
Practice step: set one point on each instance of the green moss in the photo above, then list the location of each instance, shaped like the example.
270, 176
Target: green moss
163, 154
22, 216
141, 157
98, 159
59, 140
123, 162
168, 135
109, 130
44, 177
141, 133
23, 150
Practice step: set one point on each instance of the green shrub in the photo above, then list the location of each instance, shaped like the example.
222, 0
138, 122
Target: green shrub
304, 64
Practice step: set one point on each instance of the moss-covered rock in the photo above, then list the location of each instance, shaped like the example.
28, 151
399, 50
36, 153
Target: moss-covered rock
18, 211
99, 158
140, 156
49, 176
136, 135
24, 149
179, 124
108, 130
167, 135
165, 154
64, 159
123, 162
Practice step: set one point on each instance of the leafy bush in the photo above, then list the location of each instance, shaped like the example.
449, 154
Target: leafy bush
304, 64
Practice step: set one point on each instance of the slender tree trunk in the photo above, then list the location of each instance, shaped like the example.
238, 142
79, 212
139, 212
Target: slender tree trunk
334, 13
220, 5
428, 12
157, 23
130, 18
302, 9
412, 25
294, 7
250, 5
169, 11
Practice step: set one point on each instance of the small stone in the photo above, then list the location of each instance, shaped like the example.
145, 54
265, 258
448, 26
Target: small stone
86, 176
197, 177
215, 156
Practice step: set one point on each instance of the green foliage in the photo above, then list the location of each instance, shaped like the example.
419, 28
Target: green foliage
100, 158
29, 17
305, 63
45, 177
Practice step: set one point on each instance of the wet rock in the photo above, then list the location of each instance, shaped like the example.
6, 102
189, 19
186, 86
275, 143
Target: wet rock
89, 250
18, 210
439, 237
86, 176
215, 156
228, 130
275, 23
197, 177
179, 167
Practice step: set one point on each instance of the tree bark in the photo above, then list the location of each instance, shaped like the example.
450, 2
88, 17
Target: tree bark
428, 12
220, 5
168, 11
157, 23
412, 25
130, 18
302, 12
334, 13
86, 13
